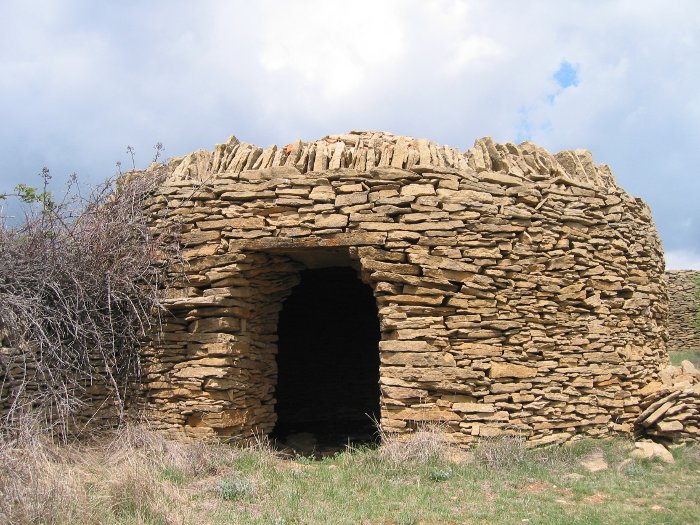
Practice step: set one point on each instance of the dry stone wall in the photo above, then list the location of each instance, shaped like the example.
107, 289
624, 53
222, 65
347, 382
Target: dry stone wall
683, 310
24, 392
518, 291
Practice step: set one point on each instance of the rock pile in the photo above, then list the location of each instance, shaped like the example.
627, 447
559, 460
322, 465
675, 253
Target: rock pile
518, 291
671, 408
683, 310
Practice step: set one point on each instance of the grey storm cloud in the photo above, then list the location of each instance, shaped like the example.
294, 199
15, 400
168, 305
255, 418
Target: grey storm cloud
81, 80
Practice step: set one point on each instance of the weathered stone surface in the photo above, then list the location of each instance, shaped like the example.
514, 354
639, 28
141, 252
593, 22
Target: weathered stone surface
331, 221
650, 450
499, 370
481, 408
671, 410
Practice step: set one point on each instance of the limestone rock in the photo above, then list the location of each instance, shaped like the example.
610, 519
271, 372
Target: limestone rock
499, 370
651, 450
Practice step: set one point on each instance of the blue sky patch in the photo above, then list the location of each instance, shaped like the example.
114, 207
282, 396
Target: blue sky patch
566, 75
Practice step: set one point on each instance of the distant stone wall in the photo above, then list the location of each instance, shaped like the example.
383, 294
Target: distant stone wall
683, 310
518, 291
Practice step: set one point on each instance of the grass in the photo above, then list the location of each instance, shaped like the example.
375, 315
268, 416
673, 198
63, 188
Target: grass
542, 486
690, 355
139, 478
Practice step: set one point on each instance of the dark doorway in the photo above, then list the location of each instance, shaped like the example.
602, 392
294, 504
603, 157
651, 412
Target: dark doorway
328, 361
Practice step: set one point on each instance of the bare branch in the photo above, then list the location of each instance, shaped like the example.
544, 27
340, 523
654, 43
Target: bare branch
79, 291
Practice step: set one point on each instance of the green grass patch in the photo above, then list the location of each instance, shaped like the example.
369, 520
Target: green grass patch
678, 357
542, 486
424, 481
173, 475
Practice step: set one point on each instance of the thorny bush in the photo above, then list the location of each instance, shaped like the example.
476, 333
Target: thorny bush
79, 288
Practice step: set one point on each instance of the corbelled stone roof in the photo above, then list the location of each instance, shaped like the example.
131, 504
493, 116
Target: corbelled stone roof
366, 150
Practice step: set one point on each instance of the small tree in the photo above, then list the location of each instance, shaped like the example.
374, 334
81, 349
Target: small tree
31, 195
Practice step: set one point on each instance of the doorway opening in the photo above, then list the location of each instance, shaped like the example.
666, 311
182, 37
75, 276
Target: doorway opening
328, 362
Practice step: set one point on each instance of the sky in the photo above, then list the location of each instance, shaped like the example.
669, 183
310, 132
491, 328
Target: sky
81, 80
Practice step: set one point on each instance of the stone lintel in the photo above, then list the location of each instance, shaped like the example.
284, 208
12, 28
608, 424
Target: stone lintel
312, 241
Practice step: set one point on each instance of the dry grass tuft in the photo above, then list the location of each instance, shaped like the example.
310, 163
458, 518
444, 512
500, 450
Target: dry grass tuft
152, 448
501, 452
427, 444
132, 490
35, 486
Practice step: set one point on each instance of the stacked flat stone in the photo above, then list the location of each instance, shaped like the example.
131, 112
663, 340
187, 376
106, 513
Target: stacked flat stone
23, 389
683, 310
519, 292
671, 406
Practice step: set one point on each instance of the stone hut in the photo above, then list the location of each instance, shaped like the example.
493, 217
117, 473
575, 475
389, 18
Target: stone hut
368, 276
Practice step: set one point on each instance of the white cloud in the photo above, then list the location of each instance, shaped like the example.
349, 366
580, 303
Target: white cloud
474, 51
332, 46
682, 260
82, 80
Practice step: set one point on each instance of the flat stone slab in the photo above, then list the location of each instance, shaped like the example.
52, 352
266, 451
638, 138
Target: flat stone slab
311, 241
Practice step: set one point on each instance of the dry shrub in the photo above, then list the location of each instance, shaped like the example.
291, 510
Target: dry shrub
427, 444
79, 290
234, 488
